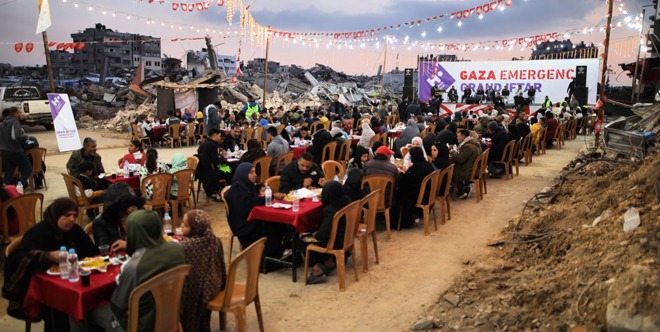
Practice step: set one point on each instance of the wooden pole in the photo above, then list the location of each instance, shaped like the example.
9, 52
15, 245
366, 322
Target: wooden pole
603, 78
639, 51
382, 80
44, 36
263, 102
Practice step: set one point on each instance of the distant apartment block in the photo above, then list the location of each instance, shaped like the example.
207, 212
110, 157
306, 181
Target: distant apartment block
114, 50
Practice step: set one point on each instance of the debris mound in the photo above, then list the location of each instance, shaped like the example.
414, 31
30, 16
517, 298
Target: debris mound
565, 262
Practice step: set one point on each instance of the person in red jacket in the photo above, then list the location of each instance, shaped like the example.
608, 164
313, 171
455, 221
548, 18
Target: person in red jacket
135, 154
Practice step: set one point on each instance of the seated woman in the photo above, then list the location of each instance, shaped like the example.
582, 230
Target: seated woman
254, 151
38, 251
360, 156
417, 141
440, 155
410, 182
150, 256
203, 250
135, 154
241, 198
353, 185
110, 227
7, 193
333, 200
151, 165
179, 163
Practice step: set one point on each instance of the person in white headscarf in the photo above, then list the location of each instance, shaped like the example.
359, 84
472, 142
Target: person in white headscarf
416, 141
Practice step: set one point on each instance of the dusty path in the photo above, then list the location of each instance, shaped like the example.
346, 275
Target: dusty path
413, 271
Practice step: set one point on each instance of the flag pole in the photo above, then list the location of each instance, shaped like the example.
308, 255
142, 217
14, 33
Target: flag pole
48, 63
44, 35
263, 102
603, 77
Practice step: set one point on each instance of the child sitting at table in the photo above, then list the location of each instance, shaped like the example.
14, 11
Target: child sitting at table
91, 189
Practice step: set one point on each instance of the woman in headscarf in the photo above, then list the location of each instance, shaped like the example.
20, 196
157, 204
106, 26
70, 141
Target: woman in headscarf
333, 200
410, 183
440, 155
353, 185
360, 156
241, 198
110, 227
367, 134
406, 137
203, 250
254, 151
416, 142
179, 163
150, 256
38, 251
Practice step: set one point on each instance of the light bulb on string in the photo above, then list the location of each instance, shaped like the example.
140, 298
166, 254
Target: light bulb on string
440, 29
75, 5
423, 34
481, 16
90, 8
459, 23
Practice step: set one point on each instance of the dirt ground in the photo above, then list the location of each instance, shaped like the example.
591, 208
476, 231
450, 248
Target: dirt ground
414, 273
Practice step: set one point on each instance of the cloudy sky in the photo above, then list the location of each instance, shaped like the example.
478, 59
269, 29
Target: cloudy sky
523, 18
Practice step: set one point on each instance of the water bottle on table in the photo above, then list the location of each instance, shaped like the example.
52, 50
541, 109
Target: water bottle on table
269, 196
126, 169
167, 224
296, 204
64, 263
73, 266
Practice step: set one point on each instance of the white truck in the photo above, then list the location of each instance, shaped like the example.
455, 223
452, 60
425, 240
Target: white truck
33, 103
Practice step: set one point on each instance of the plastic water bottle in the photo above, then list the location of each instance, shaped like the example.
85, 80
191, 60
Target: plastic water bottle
392, 160
19, 187
73, 266
236, 148
167, 224
344, 179
64, 263
296, 204
336, 178
269, 196
125, 168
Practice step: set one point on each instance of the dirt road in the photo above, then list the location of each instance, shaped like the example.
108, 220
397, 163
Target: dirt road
414, 269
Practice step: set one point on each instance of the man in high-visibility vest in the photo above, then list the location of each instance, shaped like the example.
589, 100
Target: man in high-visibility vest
547, 102
250, 108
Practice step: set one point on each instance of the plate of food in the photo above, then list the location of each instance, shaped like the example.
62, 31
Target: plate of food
53, 270
93, 263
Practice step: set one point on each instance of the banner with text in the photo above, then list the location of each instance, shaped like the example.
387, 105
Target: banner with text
64, 122
548, 77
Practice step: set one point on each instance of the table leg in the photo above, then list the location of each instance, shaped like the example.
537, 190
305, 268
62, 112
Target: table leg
295, 254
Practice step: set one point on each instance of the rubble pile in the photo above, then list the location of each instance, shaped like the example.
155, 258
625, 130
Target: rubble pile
581, 256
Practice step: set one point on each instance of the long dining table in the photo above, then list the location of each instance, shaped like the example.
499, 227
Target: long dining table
306, 219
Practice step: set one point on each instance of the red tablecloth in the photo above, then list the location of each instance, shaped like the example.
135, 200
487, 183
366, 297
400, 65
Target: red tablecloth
298, 150
132, 181
307, 218
159, 132
394, 134
70, 297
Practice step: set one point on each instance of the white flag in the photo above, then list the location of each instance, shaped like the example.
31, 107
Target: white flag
44, 16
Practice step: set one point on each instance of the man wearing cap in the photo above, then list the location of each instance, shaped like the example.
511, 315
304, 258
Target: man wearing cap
381, 163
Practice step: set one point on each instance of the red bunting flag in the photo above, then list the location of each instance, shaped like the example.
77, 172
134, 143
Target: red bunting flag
29, 47
18, 47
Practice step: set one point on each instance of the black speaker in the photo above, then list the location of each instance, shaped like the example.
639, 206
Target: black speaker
408, 75
581, 94
580, 76
473, 100
409, 91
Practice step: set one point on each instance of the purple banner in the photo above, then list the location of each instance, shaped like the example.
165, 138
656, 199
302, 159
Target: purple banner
56, 104
430, 74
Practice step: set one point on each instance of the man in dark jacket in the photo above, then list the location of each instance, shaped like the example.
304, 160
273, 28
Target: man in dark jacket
319, 140
88, 153
120, 201
211, 156
301, 173
498, 142
211, 117
230, 141
12, 138
464, 157
337, 107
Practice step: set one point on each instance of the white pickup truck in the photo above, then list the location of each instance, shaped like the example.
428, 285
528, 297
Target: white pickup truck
33, 103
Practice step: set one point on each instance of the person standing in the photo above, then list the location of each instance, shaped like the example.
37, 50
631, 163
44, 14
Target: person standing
251, 107
12, 138
211, 156
211, 117
337, 107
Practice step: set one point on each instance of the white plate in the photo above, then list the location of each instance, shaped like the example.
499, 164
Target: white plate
52, 273
281, 206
